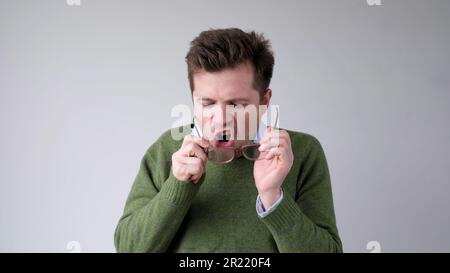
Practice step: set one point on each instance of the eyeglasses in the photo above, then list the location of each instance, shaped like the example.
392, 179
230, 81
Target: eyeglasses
223, 155
227, 154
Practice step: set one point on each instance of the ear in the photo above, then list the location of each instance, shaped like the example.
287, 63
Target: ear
266, 98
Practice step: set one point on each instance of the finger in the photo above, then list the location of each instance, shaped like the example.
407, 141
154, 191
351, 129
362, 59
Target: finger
273, 144
195, 178
271, 133
190, 160
265, 147
193, 150
274, 152
262, 155
180, 173
188, 171
200, 141
284, 135
279, 141
204, 143
283, 153
266, 135
195, 170
277, 138
187, 176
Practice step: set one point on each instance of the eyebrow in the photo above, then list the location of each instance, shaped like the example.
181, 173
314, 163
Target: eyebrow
232, 100
240, 99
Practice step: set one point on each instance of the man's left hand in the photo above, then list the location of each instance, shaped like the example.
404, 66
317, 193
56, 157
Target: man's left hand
273, 165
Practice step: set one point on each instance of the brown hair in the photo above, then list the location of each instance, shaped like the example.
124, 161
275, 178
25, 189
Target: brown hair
217, 49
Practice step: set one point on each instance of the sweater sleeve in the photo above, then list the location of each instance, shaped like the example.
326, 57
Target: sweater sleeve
153, 214
306, 222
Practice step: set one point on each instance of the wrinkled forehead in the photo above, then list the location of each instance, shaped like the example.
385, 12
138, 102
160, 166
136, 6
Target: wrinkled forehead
225, 85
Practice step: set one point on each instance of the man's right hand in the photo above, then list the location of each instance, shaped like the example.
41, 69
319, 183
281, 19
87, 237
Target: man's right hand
188, 163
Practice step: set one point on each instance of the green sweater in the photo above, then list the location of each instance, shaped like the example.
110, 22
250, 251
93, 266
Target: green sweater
163, 214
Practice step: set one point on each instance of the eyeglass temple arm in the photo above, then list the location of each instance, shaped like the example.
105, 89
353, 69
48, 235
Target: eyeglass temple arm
275, 126
195, 127
276, 120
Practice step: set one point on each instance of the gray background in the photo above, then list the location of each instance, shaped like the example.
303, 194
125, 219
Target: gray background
85, 90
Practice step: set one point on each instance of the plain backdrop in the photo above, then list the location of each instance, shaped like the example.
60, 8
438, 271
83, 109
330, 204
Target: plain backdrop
86, 89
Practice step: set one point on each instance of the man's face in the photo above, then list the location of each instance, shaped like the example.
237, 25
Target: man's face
219, 100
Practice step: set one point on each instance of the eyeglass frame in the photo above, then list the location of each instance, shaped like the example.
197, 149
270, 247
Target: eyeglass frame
237, 151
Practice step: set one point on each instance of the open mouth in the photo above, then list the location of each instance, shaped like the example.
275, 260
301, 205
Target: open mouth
223, 139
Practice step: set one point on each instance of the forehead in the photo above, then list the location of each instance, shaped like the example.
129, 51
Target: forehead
227, 84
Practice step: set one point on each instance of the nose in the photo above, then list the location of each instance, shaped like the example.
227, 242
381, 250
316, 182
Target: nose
222, 119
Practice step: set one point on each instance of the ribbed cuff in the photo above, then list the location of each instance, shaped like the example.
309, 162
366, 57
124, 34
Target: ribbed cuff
179, 192
263, 212
284, 216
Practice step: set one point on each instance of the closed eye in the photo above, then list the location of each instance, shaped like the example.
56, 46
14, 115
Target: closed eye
239, 104
206, 102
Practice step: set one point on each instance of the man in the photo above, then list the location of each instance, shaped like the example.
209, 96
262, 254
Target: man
183, 201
